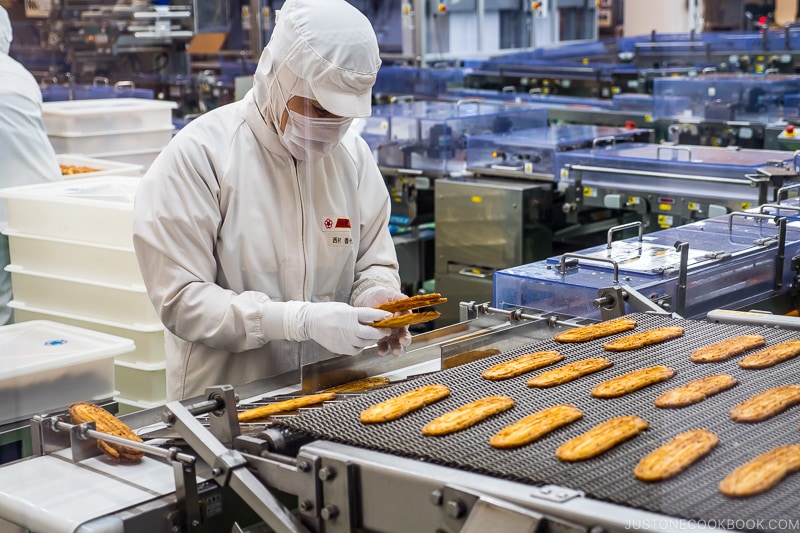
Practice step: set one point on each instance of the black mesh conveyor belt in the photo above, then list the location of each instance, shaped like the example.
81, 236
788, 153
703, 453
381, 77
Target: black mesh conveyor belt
693, 494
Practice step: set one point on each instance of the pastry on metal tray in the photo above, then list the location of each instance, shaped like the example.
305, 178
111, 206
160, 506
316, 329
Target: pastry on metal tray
676, 456
724, 350
767, 404
105, 422
762, 473
632, 381
401, 405
467, 415
285, 406
601, 438
696, 391
535, 426
772, 356
596, 331
645, 338
522, 364
570, 372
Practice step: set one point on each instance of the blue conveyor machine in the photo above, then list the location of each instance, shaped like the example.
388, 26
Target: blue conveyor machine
734, 261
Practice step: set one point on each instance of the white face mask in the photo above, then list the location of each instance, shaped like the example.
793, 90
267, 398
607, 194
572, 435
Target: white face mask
310, 138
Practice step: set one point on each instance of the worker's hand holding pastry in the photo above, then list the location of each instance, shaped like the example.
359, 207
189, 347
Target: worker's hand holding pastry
339, 327
399, 337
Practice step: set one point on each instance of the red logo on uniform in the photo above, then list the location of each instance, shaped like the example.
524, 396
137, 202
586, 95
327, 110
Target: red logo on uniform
342, 223
328, 223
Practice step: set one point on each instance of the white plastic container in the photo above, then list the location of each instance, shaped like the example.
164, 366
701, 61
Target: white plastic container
140, 382
110, 141
82, 116
46, 366
144, 158
102, 167
75, 259
149, 340
94, 210
94, 301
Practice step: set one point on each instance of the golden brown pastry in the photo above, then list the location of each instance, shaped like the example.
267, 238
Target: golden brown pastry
535, 426
676, 456
398, 321
401, 405
695, 391
601, 438
570, 372
105, 422
772, 356
596, 331
285, 406
767, 404
467, 415
722, 351
762, 473
645, 338
412, 302
520, 365
632, 381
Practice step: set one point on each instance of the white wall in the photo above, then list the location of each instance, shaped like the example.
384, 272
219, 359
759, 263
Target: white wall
664, 16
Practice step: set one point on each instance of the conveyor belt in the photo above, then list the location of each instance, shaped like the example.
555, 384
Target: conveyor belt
691, 495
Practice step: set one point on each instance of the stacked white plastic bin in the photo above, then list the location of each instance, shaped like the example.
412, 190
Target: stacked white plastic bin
75, 166
72, 261
47, 366
128, 130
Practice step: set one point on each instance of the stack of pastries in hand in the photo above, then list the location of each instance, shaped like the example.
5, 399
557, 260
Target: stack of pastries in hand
404, 314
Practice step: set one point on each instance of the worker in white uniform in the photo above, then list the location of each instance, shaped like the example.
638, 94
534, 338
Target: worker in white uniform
261, 230
26, 155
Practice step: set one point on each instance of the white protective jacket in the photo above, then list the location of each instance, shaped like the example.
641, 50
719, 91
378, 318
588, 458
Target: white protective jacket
228, 226
26, 155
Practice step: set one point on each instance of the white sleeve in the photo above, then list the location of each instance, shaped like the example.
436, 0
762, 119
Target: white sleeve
176, 216
376, 264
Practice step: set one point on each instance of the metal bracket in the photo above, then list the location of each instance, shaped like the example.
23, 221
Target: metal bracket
227, 464
339, 496
468, 511
186, 492
683, 248
224, 423
611, 302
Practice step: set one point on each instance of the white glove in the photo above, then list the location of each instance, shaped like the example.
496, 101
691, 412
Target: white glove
399, 337
339, 327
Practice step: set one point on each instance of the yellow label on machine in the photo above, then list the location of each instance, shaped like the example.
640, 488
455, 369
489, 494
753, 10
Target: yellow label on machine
745, 205
477, 199
664, 207
589, 192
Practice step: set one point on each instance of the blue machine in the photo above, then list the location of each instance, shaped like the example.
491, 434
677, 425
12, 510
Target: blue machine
431, 137
730, 262
531, 153
672, 185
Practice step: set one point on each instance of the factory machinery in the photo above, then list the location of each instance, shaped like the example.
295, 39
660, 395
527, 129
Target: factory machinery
321, 469
504, 188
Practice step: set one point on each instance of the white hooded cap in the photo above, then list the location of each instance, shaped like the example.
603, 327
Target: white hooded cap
6, 35
322, 49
